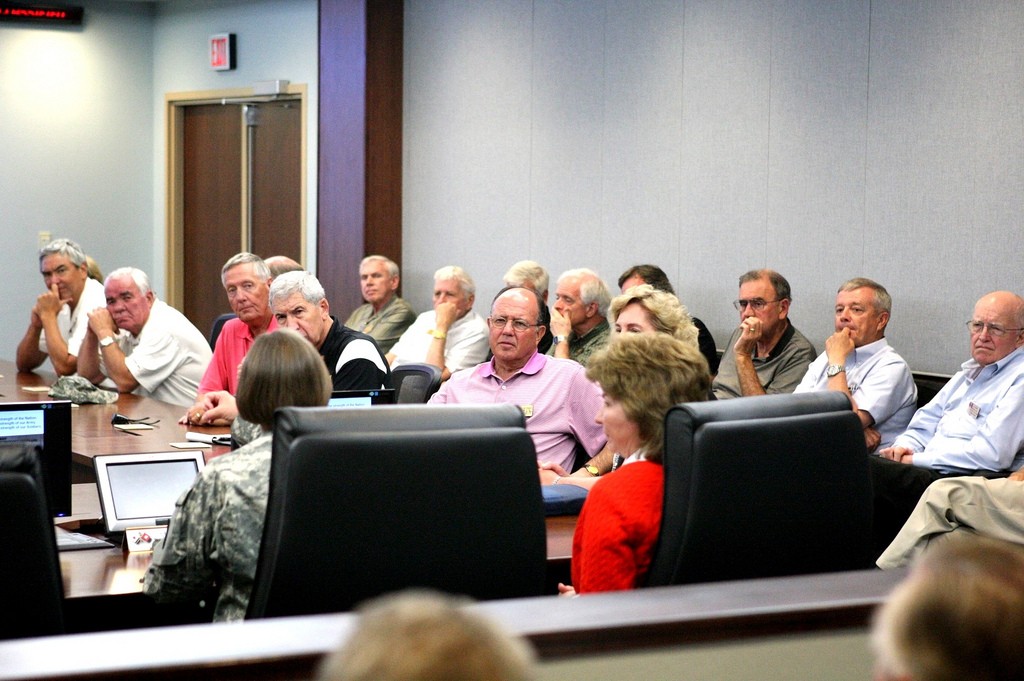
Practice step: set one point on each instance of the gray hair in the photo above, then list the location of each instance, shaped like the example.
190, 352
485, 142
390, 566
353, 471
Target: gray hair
458, 274
138, 276
592, 288
883, 301
259, 267
391, 265
290, 283
66, 247
528, 272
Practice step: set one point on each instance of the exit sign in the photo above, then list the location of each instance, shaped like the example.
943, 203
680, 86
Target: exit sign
222, 51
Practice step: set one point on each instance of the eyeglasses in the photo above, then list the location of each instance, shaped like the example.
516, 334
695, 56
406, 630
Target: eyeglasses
518, 325
757, 304
994, 330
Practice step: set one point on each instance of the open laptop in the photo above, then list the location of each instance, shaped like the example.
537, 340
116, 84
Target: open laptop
140, 490
361, 398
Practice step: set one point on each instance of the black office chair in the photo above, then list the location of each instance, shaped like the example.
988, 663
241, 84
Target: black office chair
352, 515
31, 591
218, 325
763, 487
415, 383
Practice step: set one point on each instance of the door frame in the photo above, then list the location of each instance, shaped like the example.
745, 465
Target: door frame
174, 115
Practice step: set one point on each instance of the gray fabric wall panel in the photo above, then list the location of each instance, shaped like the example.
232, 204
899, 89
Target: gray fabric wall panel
827, 140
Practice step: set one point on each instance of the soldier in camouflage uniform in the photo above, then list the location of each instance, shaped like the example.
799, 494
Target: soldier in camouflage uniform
214, 537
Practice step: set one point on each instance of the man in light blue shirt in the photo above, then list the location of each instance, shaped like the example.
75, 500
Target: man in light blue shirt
973, 426
859, 361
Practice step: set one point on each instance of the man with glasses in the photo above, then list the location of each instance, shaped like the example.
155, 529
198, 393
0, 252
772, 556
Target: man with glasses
859, 362
765, 354
556, 398
973, 426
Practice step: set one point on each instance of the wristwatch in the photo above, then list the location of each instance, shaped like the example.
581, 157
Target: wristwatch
834, 370
560, 339
592, 469
104, 342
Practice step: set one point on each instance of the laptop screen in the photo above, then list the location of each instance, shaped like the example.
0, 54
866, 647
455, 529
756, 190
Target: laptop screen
361, 398
47, 424
140, 490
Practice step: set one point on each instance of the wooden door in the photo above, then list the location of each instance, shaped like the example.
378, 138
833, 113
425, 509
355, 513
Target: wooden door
235, 166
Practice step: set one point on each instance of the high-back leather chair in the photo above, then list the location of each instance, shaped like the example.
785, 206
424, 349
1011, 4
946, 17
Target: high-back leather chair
409, 499
761, 487
31, 591
415, 383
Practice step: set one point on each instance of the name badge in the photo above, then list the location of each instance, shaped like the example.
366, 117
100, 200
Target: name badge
973, 409
527, 410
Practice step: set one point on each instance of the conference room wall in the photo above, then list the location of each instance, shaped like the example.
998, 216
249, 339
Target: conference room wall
76, 134
82, 124
826, 140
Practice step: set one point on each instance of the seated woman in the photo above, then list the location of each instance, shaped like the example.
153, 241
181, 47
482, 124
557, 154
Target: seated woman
641, 309
215, 533
641, 376
645, 309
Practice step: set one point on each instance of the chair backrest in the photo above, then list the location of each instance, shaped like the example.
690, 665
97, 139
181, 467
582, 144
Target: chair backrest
415, 383
352, 515
31, 591
291, 422
761, 487
217, 325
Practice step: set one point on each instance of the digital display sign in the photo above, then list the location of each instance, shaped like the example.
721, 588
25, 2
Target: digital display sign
30, 13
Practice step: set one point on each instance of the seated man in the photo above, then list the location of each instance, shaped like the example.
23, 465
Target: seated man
558, 401
451, 336
859, 361
353, 359
531, 275
246, 280
280, 264
143, 344
956, 510
765, 354
973, 426
385, 316
58, 320
580, 319
656, 277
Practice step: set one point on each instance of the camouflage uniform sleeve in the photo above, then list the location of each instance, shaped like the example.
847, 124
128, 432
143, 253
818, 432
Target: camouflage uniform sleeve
181, 569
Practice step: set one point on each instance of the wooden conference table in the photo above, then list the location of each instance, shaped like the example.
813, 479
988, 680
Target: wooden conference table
109, 579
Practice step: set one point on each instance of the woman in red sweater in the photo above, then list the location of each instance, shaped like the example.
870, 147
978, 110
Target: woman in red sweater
642, 376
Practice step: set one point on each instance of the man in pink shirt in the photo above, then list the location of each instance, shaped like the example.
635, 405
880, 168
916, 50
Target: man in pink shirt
246, 279
556, 398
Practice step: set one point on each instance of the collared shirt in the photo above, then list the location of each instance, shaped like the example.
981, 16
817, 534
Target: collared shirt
779, 372
234, 341
167, 357
465, 346
976, 422
385, 326
74, 323
582, 347
558, 401
880, 382
215, 534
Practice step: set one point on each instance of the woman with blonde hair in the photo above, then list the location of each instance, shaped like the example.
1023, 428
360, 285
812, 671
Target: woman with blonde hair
642, 376
645, 309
